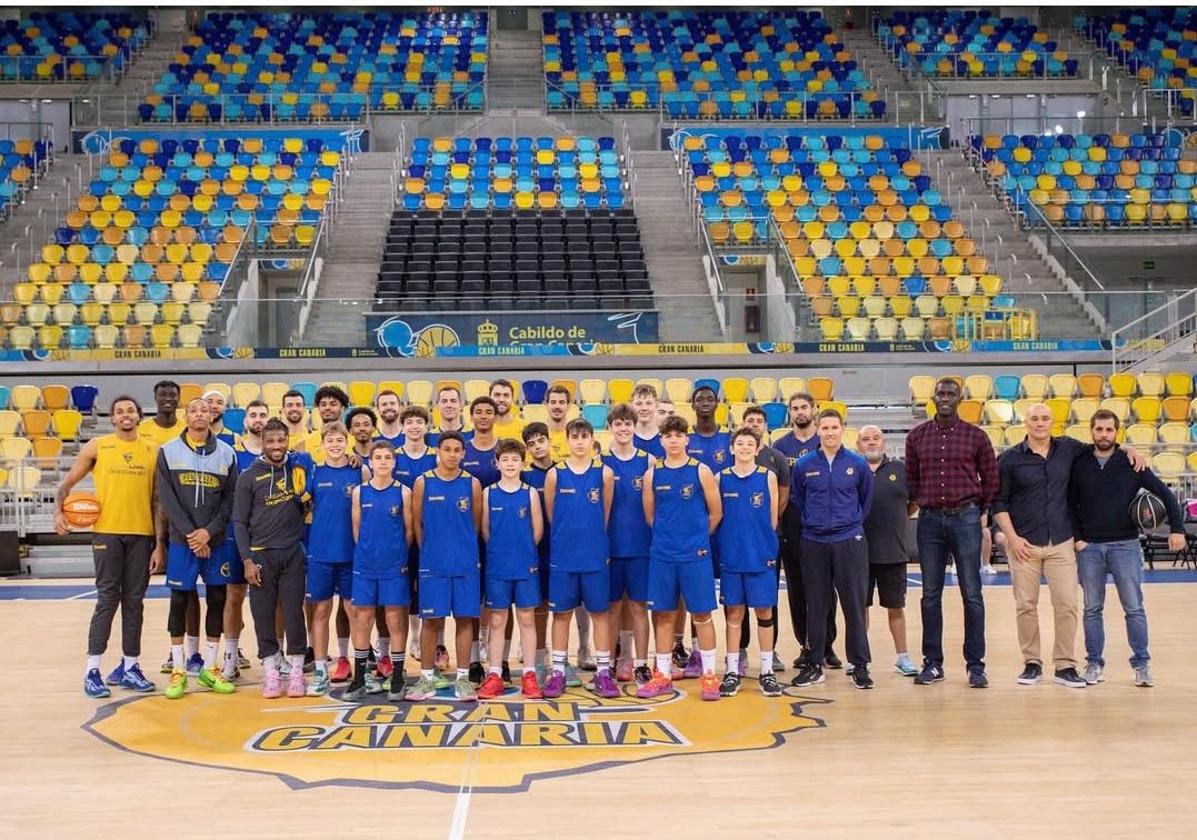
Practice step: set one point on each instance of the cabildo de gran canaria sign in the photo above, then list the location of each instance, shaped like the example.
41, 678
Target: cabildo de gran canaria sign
308, 742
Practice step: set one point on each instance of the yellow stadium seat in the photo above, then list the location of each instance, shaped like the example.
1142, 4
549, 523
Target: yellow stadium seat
25, 397
475, 388
245, 393
67, 422
763, 388
1119, 405
1061, 385
978, 386
272, 394
735, 389
1151, 384
361, 392
1175, 409
419, 392
1179, 384
1122, 384
1146, 409
1081, 432
1140, 435
1174, 434
15, 448
1034, 386
592, 391
922, 388
1168, 465
620, 390
677, 390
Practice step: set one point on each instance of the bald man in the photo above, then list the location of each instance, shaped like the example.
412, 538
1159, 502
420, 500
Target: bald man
885, 529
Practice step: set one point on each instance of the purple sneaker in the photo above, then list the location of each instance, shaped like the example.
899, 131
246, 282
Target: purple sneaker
604, 685
555, 686
693, 666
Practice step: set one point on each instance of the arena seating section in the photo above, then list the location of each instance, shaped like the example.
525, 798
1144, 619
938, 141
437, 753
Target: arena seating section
68, 45
704, 64
513, 223
1098, 180
242, 66
967, 43
21, 163
1156, 45
140, 259
873, 244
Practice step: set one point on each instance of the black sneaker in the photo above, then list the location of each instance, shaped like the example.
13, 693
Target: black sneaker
730, 686
477, 673
809, 675
1033, 673
977, 679
680, 656
929, 674
309, 661
802, 659
642, 674
770, 687
861, 678
506, 673
832, 661
1069, 678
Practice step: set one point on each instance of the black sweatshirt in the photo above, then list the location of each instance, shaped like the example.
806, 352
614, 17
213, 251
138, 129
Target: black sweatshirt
1100, 498
269, 505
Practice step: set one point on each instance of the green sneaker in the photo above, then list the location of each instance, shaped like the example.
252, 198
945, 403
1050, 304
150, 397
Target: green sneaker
373, 684
397, 689
178, 684
572, 680
440, 681
319, 685
213, 679
424, 689
465, 692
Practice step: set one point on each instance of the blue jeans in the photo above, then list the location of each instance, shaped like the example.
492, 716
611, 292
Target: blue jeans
1124, 560
940, 536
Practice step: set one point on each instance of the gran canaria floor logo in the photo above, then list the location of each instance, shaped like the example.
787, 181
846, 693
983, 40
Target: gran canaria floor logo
512, 742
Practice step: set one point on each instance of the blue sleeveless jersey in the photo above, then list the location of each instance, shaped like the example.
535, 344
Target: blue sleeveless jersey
511, 552
680, 517
650, 445
714, 451
381, 550
330, 534
408, 469
433, 438
395, 441
450, 539
628, 530
533, 476
745, 536
480, 463
578, 534
244, 456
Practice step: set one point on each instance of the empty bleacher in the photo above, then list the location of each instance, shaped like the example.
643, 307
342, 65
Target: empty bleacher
1156, 45
69, 46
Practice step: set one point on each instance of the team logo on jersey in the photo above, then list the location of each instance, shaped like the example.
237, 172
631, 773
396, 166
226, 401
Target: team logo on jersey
316, 741
850, 471
758, 499
593, 495
128, 456
638, 482
349, 490
281, 485
396, 510
522, 513
224, 569
687, 491
893, 477
720, 456
463, 504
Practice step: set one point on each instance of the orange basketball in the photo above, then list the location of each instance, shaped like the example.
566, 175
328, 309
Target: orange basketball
81, 509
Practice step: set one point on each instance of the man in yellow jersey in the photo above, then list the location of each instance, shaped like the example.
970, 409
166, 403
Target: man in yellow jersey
123, 542
295, 416
557, 400
331, 403
507, 416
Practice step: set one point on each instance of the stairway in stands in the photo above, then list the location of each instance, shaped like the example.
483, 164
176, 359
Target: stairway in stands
514, 77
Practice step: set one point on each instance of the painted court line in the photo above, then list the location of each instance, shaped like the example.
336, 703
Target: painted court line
86, 594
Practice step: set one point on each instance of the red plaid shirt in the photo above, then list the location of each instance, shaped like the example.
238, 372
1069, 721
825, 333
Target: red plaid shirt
950, 466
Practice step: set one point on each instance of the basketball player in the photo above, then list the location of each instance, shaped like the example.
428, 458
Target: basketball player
648, 436
363, 429
330, 542
247, 449
216, 405
578, 495
747, 538
331, 403
268, 517
123, 543
479, 459
413, 458
507, 417
382, 530
630, 540
683, 507
540, 461
196, 477
446, 516
557, 400
390, 424
295, 415
448, 404
512, 525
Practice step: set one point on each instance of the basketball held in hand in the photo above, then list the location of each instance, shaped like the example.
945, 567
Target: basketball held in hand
81, 510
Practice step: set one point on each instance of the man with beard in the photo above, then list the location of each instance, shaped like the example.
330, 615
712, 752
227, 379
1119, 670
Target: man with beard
800, 442
295, 416
557, 400
448, 403
507, 418
331, 402
390, 426
885, 531
362, 429
216, 406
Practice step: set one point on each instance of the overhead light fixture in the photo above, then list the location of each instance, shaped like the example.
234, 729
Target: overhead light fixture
1080, 115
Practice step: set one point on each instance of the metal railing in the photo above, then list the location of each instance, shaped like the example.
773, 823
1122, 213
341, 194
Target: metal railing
1163, 328
997, 62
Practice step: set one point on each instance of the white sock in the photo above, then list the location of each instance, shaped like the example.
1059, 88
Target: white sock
322, 666
296, 663
559, 659
384, 647
463, 674
665, 663
693, 643
177, 658
427, 673
271, 663
626, 642
602, 659
708, 661
343, 647
767, 662
497, 670
130, 662
92, 662
192, 645
230, 649
733, 663
639, 663
210, 653
475, 652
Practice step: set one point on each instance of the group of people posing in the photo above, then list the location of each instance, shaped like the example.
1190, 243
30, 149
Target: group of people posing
500, 524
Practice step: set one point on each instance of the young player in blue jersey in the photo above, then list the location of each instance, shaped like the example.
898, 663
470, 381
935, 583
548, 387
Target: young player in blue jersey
330, 542
682, 505
413, 458
446, 516
382, 530
512, 525
630, 540
540, 461
479, 458
747, 538
578, 495
648, 432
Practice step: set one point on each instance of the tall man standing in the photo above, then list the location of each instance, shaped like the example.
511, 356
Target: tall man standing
952, 475
122, 542
1101, 490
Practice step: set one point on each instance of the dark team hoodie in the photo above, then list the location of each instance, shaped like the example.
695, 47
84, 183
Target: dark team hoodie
195, 487
269, 504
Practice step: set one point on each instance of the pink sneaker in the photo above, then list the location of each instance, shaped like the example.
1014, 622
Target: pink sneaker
270, 684
296, 685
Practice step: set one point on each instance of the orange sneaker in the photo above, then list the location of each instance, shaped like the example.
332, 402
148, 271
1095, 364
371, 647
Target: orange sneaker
709, 685
491, 687
530, 687
659, 686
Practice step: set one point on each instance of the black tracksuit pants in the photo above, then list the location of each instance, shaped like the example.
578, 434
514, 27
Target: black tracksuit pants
843, 565
284, 578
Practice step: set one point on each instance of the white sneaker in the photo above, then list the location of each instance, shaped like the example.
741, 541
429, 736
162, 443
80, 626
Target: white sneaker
988, 569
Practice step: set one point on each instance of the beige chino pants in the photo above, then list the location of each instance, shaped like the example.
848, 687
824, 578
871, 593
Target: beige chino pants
1058, 564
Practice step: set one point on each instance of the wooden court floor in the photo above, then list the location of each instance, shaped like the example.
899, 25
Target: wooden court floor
830, 761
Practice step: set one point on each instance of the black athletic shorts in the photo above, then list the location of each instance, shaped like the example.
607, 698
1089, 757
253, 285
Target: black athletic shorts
889, 579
